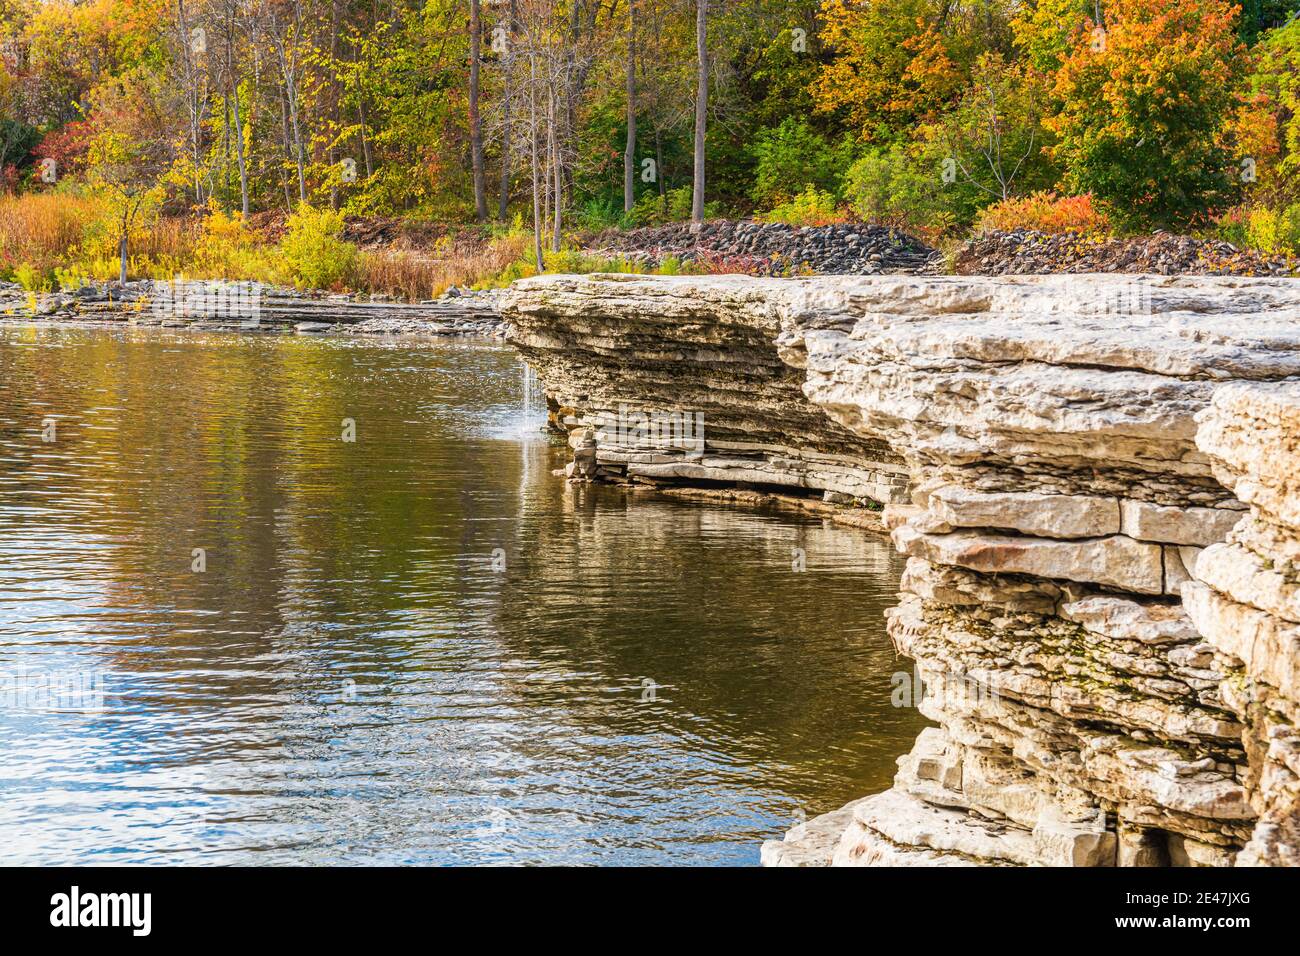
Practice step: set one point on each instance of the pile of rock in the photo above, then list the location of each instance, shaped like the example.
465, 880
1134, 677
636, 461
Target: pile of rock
756, 248
1246, 600
1026, 252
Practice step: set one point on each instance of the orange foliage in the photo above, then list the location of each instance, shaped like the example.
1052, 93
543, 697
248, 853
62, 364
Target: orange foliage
1046, 212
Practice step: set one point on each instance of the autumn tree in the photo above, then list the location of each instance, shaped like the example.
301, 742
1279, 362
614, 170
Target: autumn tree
134, 132
1144, 101
1268, 124
892, 65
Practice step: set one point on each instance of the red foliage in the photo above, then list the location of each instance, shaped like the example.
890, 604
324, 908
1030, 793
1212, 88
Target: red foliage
67, 146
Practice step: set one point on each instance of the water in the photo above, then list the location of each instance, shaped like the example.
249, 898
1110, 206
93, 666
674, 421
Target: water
415, 647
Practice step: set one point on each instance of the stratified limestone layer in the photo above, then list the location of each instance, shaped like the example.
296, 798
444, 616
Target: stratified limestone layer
1058, 505
1246, 600
666, 384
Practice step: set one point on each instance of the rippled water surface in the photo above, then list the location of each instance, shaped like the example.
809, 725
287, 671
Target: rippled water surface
418, 647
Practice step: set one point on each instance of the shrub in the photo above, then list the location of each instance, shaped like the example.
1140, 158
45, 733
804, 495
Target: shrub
33, 278
1045, 212
889, 187
226, 248
314, 251
674, 206
1274, 231
791, 157
812, 207
597, 214
655, 210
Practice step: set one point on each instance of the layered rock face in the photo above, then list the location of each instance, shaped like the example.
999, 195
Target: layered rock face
1057, 510
662, 382
1246, 600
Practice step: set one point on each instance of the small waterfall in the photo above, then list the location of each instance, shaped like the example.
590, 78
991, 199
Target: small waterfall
530, 391
532, 411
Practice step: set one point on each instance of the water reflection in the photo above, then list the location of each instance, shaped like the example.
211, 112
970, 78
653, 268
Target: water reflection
418, 647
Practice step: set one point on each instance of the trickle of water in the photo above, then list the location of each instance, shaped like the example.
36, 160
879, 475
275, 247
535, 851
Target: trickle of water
532, 412
531, 391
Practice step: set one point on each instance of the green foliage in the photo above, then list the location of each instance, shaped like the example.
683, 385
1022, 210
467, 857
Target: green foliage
812, 207
674, 206
33, 278
1045, 31
793, 156
598, 213
889, 186
17, 140
1274, 231
314, 252
994, 137
1270, 124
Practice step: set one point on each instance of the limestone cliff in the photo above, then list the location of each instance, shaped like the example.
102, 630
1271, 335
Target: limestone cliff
1035, 442
1246, 600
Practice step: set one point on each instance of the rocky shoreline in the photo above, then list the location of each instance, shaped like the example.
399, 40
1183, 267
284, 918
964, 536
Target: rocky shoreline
244, 306
1095, 482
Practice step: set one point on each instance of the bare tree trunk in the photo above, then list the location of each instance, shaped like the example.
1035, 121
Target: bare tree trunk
629, 153
193, 99
558, 167
334, 100
475, 121
364, 122
548, 161
659, 165
701, 107
239, 126
239, 156
121, 252
503, 200
503, 196
285, 136
289, 70
532, 138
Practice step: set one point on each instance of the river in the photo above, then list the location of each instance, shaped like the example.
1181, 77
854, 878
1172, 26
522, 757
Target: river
283, 600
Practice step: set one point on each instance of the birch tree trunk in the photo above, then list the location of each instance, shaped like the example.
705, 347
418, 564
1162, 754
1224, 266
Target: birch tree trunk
629, 152
701, 108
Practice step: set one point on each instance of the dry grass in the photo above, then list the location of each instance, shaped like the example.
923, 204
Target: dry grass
43, 228
416, 276
45, 237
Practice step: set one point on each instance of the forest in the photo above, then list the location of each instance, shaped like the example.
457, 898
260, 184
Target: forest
481, 140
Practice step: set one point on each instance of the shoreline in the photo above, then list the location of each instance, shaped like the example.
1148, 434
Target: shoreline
251, 307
